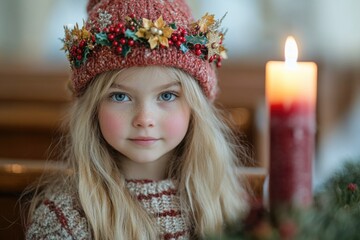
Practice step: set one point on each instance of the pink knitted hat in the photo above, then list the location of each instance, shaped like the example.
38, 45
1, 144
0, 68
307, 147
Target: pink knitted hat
125, 33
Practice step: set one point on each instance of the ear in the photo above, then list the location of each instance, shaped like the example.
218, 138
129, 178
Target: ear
91, 4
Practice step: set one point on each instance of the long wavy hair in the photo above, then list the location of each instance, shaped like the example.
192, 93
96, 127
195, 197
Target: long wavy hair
211, 194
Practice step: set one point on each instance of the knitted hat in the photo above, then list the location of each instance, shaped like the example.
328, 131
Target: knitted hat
125, 33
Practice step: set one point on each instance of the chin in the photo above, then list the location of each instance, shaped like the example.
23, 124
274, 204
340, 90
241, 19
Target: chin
144, 159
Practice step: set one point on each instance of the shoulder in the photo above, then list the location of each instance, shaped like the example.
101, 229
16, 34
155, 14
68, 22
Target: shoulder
58, 217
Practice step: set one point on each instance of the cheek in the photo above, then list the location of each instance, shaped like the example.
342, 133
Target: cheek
176, 125
111, 125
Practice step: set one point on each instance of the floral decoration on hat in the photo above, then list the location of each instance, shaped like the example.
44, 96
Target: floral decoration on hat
157, 33
202, 38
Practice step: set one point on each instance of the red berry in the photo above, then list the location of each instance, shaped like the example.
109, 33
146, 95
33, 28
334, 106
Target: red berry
117, 30
183, 32
218, 64
170, 42
132, 28
174, 38
111, 37
115, 43
82, 43
79, 57
198, 52
111, 29
120, 25
352, 187
131, 42
119, 50
122, 41
106, 30
93, 39
197, 46
181, 39
178, 43
123, 30
211, 59
79, 51
162, 46
132, 15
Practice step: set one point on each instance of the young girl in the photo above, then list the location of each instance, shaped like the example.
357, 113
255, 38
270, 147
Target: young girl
149, 156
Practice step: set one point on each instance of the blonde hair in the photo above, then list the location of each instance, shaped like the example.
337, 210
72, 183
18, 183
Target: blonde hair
210, 192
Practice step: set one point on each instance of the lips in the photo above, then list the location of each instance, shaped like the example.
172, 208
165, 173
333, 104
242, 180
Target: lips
144, 141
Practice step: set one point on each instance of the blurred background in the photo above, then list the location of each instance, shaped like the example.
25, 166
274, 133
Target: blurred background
34, 76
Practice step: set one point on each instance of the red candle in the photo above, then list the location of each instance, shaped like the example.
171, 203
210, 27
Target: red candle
291, 96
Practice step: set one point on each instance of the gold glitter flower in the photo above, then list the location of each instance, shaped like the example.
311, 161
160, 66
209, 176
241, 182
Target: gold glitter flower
214, 44
223, 51
156, 32
204, 23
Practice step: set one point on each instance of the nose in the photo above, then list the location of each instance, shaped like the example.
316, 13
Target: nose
143, 118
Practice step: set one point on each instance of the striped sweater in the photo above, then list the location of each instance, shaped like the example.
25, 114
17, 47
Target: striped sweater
58, 217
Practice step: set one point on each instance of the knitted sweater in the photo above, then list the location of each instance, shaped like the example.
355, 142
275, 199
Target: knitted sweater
59, 217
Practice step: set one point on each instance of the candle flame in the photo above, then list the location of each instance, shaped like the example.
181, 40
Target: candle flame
291, 50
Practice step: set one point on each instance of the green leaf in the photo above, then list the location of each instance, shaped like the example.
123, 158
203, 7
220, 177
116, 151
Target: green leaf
86, 53
101, 38
196, 39
184, 48
125, 50
131, 34
77, 63
173, 25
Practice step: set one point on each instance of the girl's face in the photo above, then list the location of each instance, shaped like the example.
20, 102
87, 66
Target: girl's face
144, 116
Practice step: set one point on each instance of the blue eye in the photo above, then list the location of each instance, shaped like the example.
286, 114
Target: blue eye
120, 97
167, 96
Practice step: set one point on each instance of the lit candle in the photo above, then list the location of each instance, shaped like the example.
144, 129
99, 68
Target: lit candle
291, 96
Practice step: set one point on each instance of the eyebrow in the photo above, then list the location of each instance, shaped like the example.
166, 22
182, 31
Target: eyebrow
161, 87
